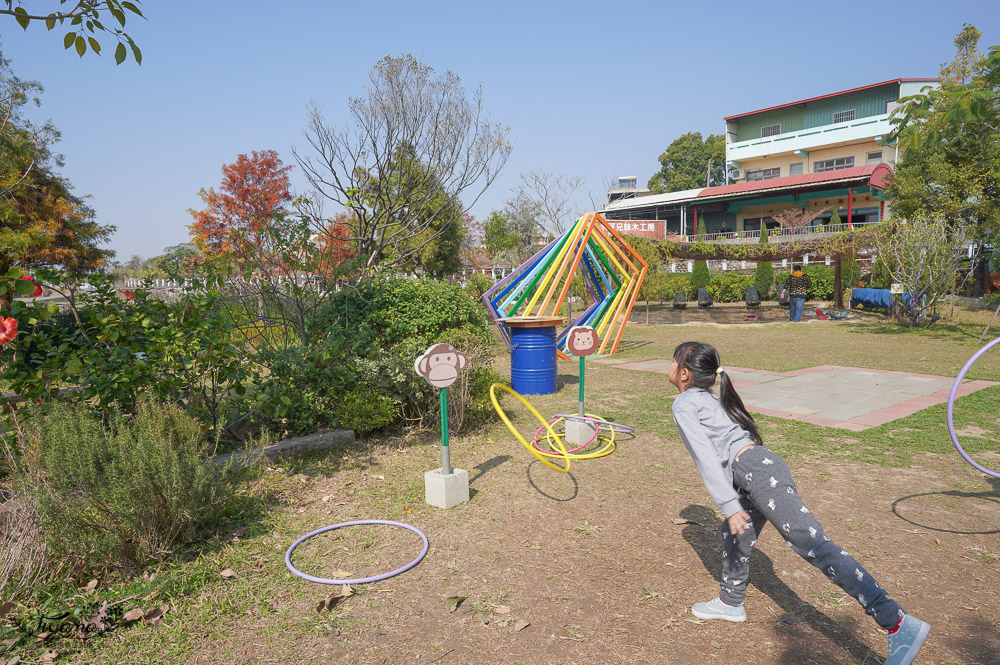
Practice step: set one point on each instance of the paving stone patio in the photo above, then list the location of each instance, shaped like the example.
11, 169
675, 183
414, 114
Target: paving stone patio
846, 397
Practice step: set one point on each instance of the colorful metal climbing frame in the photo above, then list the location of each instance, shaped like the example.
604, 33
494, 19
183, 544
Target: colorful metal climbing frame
611, 270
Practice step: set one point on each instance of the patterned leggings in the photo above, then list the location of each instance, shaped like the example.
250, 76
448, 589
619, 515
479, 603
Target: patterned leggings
768, 494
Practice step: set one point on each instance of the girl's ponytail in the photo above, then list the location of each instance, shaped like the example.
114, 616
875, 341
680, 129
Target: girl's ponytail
733, 406
702, 360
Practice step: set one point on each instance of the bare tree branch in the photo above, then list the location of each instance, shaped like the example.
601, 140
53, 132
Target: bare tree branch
412, 136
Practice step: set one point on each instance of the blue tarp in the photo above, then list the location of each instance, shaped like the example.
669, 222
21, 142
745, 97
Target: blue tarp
875, 298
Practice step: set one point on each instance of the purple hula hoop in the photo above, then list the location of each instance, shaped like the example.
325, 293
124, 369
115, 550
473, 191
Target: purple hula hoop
359, 580
951, 405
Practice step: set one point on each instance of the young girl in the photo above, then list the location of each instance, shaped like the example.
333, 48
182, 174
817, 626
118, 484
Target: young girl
751, 485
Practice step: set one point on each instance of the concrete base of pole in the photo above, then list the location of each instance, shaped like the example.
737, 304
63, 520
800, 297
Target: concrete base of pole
579, 432
446, 491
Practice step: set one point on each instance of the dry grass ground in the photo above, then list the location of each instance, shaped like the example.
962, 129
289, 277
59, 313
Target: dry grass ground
603, 563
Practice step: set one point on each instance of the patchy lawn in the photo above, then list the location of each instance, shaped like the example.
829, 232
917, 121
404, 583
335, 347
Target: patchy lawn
601, 565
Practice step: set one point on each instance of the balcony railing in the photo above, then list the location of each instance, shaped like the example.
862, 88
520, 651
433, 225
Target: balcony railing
805, 139
776, 235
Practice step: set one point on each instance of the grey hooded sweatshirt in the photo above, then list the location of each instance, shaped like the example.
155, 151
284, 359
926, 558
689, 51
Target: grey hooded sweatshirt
713, 440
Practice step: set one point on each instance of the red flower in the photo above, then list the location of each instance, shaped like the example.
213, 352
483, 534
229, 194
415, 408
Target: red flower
8, 329
128, 293
38, 287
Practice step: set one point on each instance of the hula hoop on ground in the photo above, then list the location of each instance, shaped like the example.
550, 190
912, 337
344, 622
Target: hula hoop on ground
621, 429
607, 449
951, 406
358, 580
524, 442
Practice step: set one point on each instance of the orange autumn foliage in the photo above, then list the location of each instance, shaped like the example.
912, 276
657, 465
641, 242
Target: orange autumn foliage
335, 241
254, 190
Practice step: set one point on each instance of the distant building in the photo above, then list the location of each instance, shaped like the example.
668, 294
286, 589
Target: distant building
625, 187
825, 152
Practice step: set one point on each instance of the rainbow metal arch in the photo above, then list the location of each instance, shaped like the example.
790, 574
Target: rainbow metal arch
611, 269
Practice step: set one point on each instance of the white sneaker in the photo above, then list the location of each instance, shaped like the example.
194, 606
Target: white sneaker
716, 609
905, 642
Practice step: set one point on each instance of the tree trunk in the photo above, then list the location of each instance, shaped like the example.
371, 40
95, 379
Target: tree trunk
838, 284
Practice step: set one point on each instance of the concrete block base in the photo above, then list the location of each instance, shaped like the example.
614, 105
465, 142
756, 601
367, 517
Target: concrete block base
446, 491
578, 432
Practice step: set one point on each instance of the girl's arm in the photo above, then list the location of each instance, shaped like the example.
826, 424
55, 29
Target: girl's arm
717, 480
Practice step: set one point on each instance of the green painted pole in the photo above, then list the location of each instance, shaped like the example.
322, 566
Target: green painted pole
445, 452
582, 359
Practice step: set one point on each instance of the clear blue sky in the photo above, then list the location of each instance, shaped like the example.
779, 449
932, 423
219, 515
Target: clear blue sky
590, 89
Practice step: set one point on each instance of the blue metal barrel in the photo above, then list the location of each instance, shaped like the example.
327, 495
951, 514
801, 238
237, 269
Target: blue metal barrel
533, 360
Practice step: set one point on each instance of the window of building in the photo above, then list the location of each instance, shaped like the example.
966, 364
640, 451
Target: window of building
795, 169
770, 130
843, 116
874, 158
833, 164
763, 174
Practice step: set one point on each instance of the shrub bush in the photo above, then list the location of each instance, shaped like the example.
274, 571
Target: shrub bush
183, 351
821, 277
729, 287
700, 277
763, 279
677, 283
361, 374
122, 494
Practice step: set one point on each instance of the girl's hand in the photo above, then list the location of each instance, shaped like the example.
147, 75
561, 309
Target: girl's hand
739, 522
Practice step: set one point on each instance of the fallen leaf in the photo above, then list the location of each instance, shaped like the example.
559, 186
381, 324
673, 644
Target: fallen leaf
43, 636
716, 644
228, 573
14, 661
345, 591
453, 602
340, 574
6, 608
154, 617
408, 511
521, 625
132, 615
49, 657
327, 498
501, 609
239, 533
483, 618
378, 476
681, 520
789, 618
7, 644
99, 621
91, 586
384, 449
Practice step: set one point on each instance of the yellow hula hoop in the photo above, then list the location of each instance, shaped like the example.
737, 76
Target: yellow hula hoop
513, 430
607, 449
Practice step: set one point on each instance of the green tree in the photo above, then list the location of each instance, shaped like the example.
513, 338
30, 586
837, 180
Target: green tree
835, 217
700, 277
690, 162
656, 277
764, 237
702, 230
407, 117
85, 23
950, 138
969, 63
502, 241
436, 249
763, 278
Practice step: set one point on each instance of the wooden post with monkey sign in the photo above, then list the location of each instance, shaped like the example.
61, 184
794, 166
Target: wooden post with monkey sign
581, 341
441, 364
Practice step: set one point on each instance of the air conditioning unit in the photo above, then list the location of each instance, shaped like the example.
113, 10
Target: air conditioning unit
738, 174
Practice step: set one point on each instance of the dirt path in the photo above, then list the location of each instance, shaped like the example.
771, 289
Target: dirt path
594, 562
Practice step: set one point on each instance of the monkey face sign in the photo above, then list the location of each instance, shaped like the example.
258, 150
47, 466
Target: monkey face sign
440, 365
581, 341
